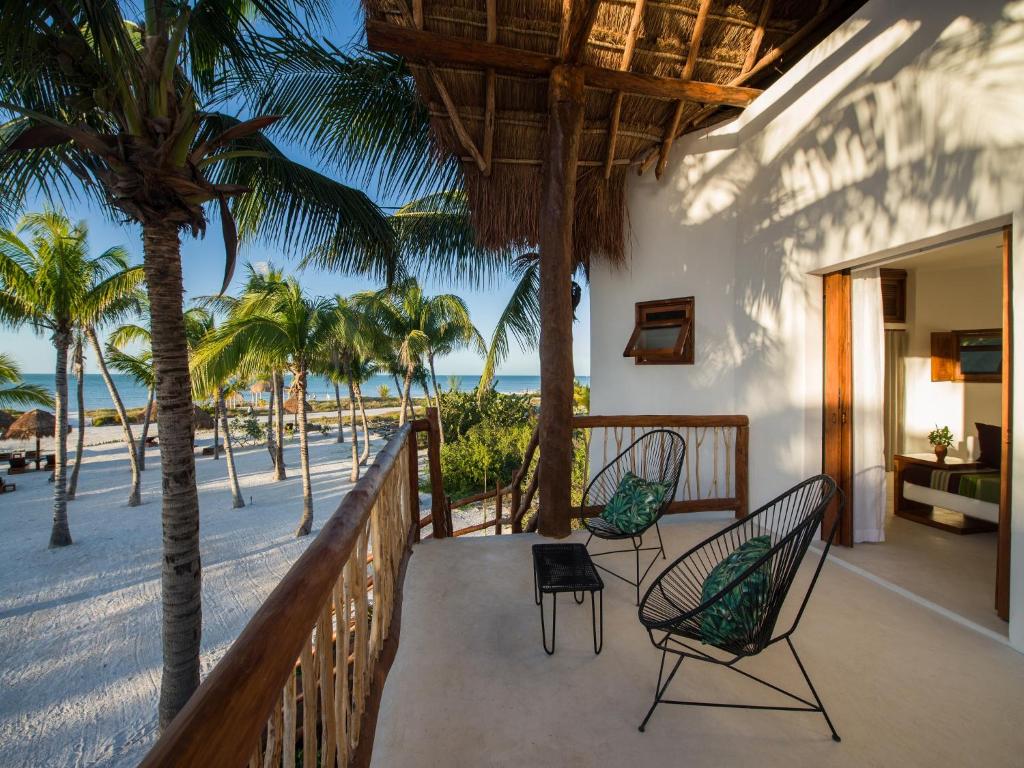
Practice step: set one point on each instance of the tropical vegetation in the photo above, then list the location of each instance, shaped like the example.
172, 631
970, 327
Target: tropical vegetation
52, 284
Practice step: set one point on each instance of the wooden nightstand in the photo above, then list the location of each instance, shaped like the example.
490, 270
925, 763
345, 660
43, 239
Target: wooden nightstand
947, 520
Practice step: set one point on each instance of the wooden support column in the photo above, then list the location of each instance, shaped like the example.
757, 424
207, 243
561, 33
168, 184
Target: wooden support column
565, 125
438, 516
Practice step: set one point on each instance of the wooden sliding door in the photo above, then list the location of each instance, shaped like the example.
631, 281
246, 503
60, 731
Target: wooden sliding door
1006, 468
837, 438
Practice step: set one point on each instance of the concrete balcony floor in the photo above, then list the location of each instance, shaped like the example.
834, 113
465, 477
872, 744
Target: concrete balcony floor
471, 685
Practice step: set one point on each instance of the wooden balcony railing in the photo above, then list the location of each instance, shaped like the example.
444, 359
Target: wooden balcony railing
714, 472
308, 670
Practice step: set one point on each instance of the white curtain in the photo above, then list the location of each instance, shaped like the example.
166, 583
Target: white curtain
895, 393
868, 407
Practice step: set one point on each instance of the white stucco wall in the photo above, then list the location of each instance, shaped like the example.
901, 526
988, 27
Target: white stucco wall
907, 124
944, 300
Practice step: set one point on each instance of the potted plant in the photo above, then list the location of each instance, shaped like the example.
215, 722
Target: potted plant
941, 438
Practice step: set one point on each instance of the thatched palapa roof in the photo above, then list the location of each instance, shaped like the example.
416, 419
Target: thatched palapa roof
34, 423
653, 70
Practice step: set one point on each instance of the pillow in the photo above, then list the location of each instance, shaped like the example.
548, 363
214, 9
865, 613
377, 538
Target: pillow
990, 440
727, 621
635, 503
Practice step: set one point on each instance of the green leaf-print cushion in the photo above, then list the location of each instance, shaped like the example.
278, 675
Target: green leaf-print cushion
729, 619
635, 503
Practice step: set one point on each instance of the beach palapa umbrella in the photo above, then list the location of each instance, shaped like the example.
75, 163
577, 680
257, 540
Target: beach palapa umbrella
201, 419
6, 420
35, 423
291, 405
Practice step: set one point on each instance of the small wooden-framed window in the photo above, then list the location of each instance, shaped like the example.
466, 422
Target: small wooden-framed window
975, 355
894, 295
663, 333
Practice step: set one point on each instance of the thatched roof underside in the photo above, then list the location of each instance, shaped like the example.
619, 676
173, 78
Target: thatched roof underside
737, 37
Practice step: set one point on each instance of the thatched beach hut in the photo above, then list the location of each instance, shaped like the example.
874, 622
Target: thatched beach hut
32, 424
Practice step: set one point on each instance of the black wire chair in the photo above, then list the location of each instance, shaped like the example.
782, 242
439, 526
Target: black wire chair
656, 456
674, 612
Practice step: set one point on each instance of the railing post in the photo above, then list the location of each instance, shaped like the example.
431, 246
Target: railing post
414, 484
742, 471
497, 509
437, 503
514, 500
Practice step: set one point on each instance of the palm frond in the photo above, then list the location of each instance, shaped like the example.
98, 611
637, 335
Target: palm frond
359, 113
520, 320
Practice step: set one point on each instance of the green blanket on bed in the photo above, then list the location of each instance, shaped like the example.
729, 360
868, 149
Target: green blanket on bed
980, 486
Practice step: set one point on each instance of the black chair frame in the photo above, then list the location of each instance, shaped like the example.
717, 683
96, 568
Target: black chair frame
602, 487
670, 635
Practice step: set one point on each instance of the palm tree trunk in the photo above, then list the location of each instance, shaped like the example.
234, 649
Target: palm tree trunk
406, 384
236, 493
216, 427
279, 473
306, 524
355, 439
337, 402
60, 534
181, 572
135, 496
365, 455
78, 364
437, 399
271, 441
146, 418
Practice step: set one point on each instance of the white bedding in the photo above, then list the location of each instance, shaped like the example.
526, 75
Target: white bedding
983, 510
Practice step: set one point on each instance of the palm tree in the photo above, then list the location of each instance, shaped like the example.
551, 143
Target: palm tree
126, 112
139, 366
362, 369
78, 369
284, 328
51, 283
416, 324
15, 393
208, 382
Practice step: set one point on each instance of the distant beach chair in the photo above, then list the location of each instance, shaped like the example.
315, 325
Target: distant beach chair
7, 487
51, 462
18, 464
151, 440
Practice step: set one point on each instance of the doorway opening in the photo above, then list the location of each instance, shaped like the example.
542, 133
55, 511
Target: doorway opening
917, 352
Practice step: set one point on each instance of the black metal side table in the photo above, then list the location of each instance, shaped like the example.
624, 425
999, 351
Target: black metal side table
567, 568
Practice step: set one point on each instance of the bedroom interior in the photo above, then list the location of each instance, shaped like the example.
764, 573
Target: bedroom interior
926, 353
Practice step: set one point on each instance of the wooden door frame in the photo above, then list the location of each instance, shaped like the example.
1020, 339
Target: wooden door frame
837, 399
1006, 462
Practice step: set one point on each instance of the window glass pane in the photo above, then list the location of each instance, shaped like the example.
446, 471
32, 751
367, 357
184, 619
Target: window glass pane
980, 361
658, 338
981, 353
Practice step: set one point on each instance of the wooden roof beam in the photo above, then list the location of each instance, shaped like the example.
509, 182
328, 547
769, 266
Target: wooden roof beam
490, 85
627, 58
431, 47
576, 27
688, 68
758, 38
825, 11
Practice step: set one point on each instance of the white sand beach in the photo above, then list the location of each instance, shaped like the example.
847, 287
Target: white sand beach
80, 626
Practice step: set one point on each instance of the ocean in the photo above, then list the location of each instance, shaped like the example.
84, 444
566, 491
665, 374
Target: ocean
134, 396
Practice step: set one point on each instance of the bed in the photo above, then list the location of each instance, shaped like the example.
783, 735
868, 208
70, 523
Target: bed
958, 497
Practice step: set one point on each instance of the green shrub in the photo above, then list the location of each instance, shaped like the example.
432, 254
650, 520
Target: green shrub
486, 455
461, 411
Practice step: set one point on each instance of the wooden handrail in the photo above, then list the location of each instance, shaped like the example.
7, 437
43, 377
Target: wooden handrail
224, 719
584, 422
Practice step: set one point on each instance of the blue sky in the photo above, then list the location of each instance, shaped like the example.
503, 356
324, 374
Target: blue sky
203, 265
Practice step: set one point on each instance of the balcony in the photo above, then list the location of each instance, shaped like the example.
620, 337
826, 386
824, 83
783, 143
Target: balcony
381, 648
